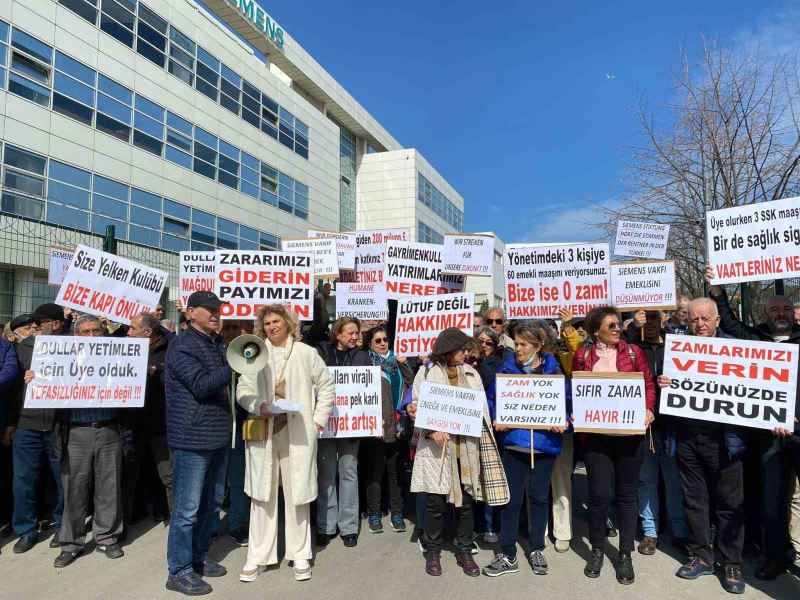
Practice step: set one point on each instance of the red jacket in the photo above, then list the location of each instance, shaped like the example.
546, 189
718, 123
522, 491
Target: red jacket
586, 357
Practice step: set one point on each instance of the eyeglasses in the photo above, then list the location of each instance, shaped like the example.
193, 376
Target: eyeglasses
494, 321
613, 326
380, 340
487, 343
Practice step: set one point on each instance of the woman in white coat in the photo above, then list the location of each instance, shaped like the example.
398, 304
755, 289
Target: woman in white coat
290, 445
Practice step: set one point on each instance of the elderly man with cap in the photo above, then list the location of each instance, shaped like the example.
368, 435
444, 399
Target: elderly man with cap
197, 384
31, 431
23, 326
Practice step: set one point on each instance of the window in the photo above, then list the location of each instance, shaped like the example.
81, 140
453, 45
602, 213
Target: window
31, 61
114, 109
431, 197
117, 19
99, 224
148, 124
207, 81
23, 183
179, 211
74, 89
230, 86
428, 235
205, 153
86, 9
151, 31
4, 30
269, 241
181, 52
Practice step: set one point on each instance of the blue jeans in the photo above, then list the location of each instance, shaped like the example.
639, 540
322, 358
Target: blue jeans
647, 491
28, 448
197, 475
536, 482
239, 512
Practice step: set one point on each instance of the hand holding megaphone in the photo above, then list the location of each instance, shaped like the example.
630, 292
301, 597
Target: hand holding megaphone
247, 354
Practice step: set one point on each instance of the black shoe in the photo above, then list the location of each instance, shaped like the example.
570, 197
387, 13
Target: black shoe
770, 570
111, 550
240, 536
25, 543
323, 539
732, 581
625, 569
350, 540
209, 568
611, 532
595, 564
648, 545
54, 540
695, 568
65, 559
188, 585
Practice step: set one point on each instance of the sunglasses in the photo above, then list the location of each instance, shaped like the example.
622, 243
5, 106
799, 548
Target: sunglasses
494, 321
380, 340
613, 326
487, 343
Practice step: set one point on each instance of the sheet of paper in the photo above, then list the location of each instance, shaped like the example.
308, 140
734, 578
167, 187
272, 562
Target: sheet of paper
282, 406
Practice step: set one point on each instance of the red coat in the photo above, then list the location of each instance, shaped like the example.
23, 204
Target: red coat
586, 357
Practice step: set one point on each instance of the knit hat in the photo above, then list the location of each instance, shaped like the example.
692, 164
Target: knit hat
450, 340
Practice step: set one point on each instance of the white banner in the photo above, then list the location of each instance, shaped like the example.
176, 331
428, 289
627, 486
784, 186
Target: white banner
87, 372
357, 409
608, 402
642, 240
755, 242
110, 286
454, 410
60, 259
540, 279
468, 254
326, 262
196, 273
345, 246
366, 301
531, 401
648, 285
370, 254
738, 382
415, 269
250, 279
419, 321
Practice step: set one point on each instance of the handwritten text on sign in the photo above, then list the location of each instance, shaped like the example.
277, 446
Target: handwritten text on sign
531, 401
737, 382
611, 402
755, 242
371, 254
454, 410
357, 410
643, 285
86, 372
110, 286
541, 279
345, 247
196, 273
326, 262
642, 240
468, 254
419, 321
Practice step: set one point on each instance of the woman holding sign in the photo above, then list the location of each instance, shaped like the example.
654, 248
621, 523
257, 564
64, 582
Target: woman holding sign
281, 445
454, 469
604, 454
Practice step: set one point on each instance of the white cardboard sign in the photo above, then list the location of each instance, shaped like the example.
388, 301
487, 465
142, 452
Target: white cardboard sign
531, 401
641, 240
370, 254
366, 301
326, 261
60, 259
648, 285
357, 410
468, 254
453, 410
196, 273
345, 246
608, 402
87, 372
415, 269
419, 321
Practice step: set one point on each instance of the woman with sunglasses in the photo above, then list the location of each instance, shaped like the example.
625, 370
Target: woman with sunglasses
620, 455
490, 359
383, 455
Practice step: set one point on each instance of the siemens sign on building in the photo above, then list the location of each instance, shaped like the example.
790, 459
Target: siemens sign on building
154, 117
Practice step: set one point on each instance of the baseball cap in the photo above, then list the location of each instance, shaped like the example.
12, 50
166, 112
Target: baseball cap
21, 321
49, 310
205, 299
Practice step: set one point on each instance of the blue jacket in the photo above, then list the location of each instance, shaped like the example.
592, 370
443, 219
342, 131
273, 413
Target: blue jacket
545, 442
197, 379
9, 375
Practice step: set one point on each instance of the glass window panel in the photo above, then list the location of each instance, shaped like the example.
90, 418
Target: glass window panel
229, 165
176, 139
152, 35
23, 206
173, 243
30, 68
179, 124
203, 235
204, 218
179, 158
231, 75
286, 194
286, 140
203, 168
300, 139
205, 153
181, 72
226, 178
148, 125
117, 31
174, 209
268, 239
145, 142
270, 172
227, 226
299, 212
149, 108
69, 174
301, 127
113, 127
66, 194
224, 241
250, 90
76, 69
146, 199
207, 58
150, 53
68, 217
181, 56
74, 89
248, 245
112, 108
99, 225
248, 232
301, 188
142, 235
250, 175
269, 103
248, 188
82, 8
230, 88
227, 102
4, 29
152, 19
3, 54
269, 197
269, 130
143, 216
110, 188
180, 39
206, 138
286, 180
24, 160
228, 150
24, 183
206, 88
251, 117
207, 73
176, 227
287, 129
300, 150
112, 88
250, 161
32, 46
285, 115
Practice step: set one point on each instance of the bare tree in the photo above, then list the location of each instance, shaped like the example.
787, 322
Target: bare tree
732, 138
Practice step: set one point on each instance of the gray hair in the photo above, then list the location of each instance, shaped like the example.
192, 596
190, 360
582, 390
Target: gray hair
86, 319
707, 302
490, 332
495, 308
150, 321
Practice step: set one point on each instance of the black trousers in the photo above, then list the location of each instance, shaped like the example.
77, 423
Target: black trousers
435, 512
707, 472
382, 458
622, 455
157, 442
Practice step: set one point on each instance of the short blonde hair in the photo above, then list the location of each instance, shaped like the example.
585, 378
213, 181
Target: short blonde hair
280, 310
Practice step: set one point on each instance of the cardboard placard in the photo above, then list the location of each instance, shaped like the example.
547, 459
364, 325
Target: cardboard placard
87, 372
531, 401
419, 321
468, 254
370, 254
641, 240
453, 410
357, 409
345, 246
326, 261
643, 285
197, 273
755, 242
415, 269
612, 403
738, 382
362, 300
110, 286
60, 259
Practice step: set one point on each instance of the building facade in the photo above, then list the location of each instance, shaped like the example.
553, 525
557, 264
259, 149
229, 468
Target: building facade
155, 117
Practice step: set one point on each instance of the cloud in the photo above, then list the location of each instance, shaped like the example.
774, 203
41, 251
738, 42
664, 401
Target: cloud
771, 36
565, 225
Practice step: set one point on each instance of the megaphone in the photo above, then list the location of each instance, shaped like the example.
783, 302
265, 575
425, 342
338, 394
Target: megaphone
247, 354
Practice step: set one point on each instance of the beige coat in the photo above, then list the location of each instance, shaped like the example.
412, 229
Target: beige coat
304, 370
429, 475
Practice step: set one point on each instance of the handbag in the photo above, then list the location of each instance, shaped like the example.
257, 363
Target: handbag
254, 430
257, 429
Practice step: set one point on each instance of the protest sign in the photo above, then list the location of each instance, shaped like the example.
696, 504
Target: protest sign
196, 273
357, 410
454, 410
647, 285
468, 254
419, 321
362, 300
250, 279
531, 401
754, 242
611, 403
345, 246
642, 240
415, 269
370, 251
60, 259
326, 262
730, 381
87, 372
110, 286
540, 279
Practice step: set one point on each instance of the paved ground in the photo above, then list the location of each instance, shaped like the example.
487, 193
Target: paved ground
385, 566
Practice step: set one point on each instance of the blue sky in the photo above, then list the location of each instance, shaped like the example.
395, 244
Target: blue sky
510, 101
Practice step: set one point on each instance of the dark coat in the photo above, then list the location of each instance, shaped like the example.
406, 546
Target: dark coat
9, 377
152, 417
197, 382
354, 357
36, 419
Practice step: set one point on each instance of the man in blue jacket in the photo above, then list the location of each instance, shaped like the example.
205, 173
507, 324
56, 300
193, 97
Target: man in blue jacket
197, 382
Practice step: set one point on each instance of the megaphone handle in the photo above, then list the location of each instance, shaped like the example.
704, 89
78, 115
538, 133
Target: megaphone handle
233, 410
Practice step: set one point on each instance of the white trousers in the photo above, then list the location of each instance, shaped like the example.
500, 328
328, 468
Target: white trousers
263, 545
561, 484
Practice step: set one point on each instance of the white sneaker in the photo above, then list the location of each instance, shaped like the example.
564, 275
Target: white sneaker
251, 572
302, 570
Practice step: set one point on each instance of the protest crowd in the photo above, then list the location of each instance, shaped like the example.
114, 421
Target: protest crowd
477, 426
